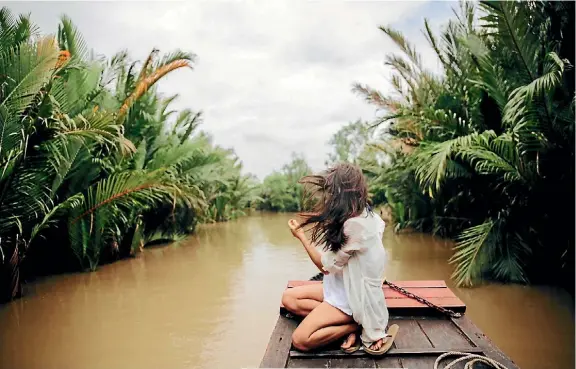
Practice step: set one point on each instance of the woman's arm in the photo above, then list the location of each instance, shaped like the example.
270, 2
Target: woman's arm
314, 254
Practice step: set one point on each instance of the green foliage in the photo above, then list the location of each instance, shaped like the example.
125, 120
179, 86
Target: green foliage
487, 146
280, 191
350, 142
88, 147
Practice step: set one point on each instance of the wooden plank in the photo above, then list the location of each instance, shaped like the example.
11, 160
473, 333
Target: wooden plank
446, 302
276, 355
388, 362
362, 362
307, 363
419, 291
404, 284
410, 317
443, 333
427, 284
411, 336
474, 334
357, 362
392, 352
418, 362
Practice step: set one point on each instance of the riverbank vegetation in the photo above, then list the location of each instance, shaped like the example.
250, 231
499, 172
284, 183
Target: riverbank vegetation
490, 158
280, 191
488, 153
482, 152
94, 163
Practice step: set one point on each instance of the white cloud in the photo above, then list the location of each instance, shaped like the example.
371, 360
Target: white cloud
272, 77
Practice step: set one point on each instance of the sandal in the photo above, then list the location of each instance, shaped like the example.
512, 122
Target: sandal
352, 349
392, 332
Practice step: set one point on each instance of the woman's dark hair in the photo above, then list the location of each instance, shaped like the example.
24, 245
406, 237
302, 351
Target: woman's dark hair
338, 195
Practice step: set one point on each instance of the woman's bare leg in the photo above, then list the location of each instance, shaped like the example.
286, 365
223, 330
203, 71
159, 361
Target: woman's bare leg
327, 335
325, 324
302, 300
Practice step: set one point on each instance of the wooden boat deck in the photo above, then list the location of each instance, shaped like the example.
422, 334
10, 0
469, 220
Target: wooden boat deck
423, 336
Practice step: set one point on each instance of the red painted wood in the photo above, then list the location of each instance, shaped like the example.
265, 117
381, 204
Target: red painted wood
426, 284
434, 291
418, 291
446, 302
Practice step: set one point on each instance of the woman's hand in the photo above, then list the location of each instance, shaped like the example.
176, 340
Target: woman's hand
314, 254
296, 232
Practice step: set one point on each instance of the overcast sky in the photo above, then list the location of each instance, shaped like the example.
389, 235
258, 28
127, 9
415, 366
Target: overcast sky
273, 77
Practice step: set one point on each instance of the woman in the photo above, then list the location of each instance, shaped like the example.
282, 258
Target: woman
351, 297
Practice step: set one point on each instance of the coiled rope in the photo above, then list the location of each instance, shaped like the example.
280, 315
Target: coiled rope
473, 359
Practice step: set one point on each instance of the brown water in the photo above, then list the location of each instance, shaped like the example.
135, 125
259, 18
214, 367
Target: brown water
211, 301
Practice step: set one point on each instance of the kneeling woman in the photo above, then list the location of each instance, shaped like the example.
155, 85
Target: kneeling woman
351, 298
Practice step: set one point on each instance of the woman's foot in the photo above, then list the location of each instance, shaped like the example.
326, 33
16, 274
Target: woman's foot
349, 342
378, 344
381, 346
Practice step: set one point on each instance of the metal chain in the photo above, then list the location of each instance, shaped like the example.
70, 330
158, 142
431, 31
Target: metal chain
450, 313
453, 314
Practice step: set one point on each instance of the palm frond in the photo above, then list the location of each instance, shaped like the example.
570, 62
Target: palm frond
373, 96
25, 195
513, 24
14, 31
146, 65
99, 127
492, 155
192, 124
509, 265
70, 39
408, 49
520, 106
62, 154
127, 188
431, 38
140, 156
432, 161
57, 211
492, 77
471, 256
77, 86
29, 68
176, 56
170, 63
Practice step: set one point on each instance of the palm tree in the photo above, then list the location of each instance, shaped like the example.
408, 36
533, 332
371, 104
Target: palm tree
488, 134
41, 126
57, 144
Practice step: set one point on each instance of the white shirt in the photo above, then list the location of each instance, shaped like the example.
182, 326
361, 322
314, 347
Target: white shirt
335, 292
356, 275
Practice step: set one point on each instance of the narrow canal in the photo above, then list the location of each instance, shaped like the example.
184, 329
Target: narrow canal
211, 301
